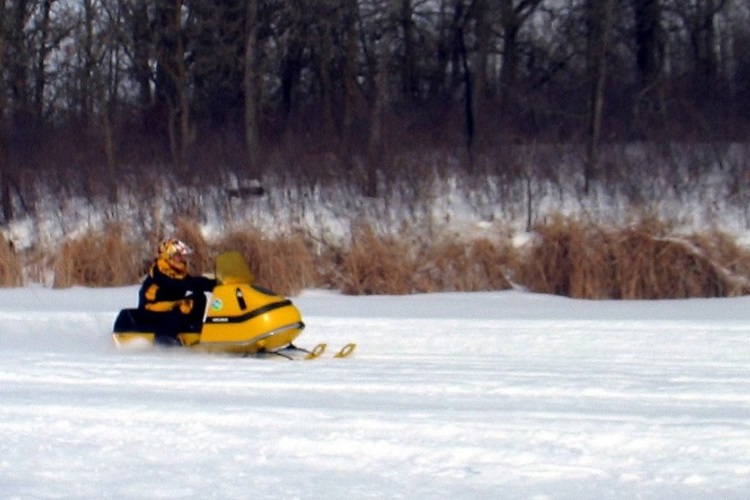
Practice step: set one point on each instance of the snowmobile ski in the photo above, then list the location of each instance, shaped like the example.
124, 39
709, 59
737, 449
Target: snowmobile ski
346, 351
294, 353
316, 351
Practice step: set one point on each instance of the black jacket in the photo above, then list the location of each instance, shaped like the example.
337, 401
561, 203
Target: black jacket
165, 287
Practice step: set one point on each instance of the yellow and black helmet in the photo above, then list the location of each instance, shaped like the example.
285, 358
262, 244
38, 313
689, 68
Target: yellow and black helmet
171, 247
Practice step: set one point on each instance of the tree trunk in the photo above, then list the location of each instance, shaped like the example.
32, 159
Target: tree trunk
40, 76
468, 82
470, 122
109, 150
249, 83
600, 17
512, 17
12, 57
4, 166
326, 58
703, 39
509, 65
410, 87
171, 81
480, 59
376, 146
141, 43
350, 69
648, 41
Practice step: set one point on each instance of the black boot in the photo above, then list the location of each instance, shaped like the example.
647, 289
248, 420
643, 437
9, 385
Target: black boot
167, 340
168, 328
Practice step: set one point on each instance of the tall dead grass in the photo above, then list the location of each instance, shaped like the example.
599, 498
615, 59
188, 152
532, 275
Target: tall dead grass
11, 266
460, 266
567, 257
187, 230
108, 258
641, 262
284, 263
373, 264
99, 259
390, 265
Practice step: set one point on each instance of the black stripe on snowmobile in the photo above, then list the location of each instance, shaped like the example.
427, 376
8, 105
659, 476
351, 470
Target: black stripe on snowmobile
249, 315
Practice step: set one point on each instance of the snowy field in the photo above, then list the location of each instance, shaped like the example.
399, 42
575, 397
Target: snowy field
460, 396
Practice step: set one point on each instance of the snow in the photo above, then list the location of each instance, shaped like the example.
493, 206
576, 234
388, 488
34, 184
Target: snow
462, 396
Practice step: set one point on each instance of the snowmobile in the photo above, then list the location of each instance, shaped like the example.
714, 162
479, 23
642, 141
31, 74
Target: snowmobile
241, 318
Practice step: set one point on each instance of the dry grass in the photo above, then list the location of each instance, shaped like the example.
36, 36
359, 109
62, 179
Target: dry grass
11, 267
568, 257
285, 264
98, 259
729, 260
201, 261
454, 265
389, 265
38, 265
649, 267
374, 264
640, 262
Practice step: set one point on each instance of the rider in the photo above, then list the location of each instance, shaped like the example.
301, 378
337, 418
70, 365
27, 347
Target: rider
175, 298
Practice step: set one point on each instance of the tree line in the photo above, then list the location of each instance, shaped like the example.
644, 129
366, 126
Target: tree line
103, 89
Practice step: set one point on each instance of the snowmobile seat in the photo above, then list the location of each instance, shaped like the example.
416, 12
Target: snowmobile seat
140, 321
135, 320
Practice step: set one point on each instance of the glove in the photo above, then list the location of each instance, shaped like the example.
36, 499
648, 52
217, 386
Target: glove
186, 305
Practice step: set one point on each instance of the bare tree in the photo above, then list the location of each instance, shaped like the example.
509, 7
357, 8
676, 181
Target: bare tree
700, 16
140, 47
649, 41
172, 86
45, 46
292, 40
4, 163
460, 21
600, 19
15, 17
327, 55
408, 63
376, 146
350, 70
255, 74
250, 90
513, 15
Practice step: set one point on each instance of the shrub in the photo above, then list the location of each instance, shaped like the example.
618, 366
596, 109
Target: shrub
98, 259
284, 264
201, 260
584, 261
454, 265
567, 257
374, 265
11, 267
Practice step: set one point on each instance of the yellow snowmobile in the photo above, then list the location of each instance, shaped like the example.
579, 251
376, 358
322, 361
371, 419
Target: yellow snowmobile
241, 318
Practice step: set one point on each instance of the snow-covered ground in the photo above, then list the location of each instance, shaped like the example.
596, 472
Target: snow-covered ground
471, 396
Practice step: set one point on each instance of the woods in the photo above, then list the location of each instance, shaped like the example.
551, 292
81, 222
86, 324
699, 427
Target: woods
201, 89
145, 115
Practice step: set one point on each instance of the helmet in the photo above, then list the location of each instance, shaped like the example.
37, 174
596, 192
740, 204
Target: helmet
171, 247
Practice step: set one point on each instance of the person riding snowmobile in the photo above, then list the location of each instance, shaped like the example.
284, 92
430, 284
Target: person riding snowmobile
174, 298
